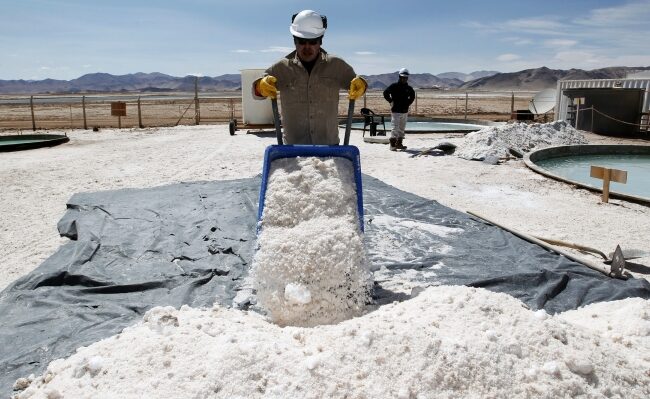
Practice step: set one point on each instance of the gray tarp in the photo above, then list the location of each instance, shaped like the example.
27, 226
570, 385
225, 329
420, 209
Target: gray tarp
192, 243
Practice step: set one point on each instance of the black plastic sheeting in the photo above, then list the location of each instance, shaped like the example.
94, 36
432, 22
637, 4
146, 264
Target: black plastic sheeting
192, 243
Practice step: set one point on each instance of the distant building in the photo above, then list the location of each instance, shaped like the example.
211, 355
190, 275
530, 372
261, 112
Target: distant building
613, 107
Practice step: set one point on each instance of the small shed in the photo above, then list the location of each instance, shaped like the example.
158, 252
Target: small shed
613, 107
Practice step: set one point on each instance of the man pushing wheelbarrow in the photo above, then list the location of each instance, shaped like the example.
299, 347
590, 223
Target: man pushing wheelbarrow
309, 267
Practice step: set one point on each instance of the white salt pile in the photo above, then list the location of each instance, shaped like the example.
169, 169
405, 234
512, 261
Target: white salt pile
310, 267
448, 342
495, 141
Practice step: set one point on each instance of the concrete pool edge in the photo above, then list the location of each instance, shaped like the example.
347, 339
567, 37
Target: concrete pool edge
40, 140
586, 149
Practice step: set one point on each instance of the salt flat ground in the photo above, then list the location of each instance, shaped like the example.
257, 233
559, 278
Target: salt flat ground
37, 183
447, 342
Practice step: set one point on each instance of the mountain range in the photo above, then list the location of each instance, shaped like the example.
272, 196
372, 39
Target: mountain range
528, 79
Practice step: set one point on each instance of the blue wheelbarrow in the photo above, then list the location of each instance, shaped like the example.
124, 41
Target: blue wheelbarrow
280, 151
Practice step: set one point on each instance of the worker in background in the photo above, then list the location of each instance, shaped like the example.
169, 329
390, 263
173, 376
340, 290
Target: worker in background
400, 95
309, 79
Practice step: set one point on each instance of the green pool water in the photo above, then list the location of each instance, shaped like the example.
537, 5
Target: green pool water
20, 141
578, 168
428, 126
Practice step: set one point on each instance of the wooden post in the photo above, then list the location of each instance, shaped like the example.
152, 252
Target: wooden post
416, 103
197, 112
71, 124
119, 122
512, 105
577, 114
140, 114
31, 105
83, 105
466, 100
364, 99
607, 175
592, 119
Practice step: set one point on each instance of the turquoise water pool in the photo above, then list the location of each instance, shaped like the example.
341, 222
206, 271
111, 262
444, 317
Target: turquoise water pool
427, 126
578, 167
20, 141
28, 141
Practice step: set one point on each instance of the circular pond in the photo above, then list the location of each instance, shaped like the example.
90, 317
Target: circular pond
572, 164
427, 125
30, 141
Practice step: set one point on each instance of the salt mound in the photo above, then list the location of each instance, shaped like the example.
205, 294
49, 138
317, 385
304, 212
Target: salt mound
448, 342
310, 267
494, 141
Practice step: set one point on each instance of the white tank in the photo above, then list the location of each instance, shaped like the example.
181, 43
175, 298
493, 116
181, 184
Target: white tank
254, 111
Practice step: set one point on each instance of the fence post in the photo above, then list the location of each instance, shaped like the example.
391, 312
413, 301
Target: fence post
512, 105
466, 99
83, 105
197, 112
31, 105
416, 102
139, 114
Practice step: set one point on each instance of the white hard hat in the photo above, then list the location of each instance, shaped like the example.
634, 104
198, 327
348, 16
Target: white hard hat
308, 24
404, 72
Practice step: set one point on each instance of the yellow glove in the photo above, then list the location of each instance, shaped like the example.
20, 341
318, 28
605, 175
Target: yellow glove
357, 88
266, 86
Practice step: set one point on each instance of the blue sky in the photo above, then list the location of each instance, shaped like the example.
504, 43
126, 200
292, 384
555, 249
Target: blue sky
67, 39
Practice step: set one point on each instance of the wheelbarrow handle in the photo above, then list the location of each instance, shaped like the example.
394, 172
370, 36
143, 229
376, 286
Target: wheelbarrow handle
276, 120
348, 124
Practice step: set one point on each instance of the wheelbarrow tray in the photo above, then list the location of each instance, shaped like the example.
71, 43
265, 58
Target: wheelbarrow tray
274, 152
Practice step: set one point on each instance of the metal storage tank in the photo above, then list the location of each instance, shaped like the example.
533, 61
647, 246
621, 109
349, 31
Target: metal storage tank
254, 111
610, 106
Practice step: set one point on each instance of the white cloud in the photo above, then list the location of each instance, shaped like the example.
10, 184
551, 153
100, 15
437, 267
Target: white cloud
278, 49
517, 41
45, 68
547, 26
241, 51
365, 53
560, 43
542, 23
577, 57
508, 57
624, 15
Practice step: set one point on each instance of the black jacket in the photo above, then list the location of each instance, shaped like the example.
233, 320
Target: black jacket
401, 95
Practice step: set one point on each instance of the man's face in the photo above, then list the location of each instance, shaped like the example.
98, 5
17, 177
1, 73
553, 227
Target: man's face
307, 49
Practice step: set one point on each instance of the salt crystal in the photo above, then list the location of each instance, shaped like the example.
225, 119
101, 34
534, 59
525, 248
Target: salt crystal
95, 364
551, 368
297, 294
541, 315
312, 362
579, 366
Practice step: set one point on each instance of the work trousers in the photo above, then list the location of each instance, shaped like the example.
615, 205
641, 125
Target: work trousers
399, 124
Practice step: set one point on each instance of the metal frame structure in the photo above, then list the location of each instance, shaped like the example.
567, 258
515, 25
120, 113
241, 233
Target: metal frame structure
562, 102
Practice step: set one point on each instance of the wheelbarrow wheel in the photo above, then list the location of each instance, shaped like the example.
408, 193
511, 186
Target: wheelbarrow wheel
232, 126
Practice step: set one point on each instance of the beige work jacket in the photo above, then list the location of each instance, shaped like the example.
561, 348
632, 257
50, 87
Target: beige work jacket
309, 102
